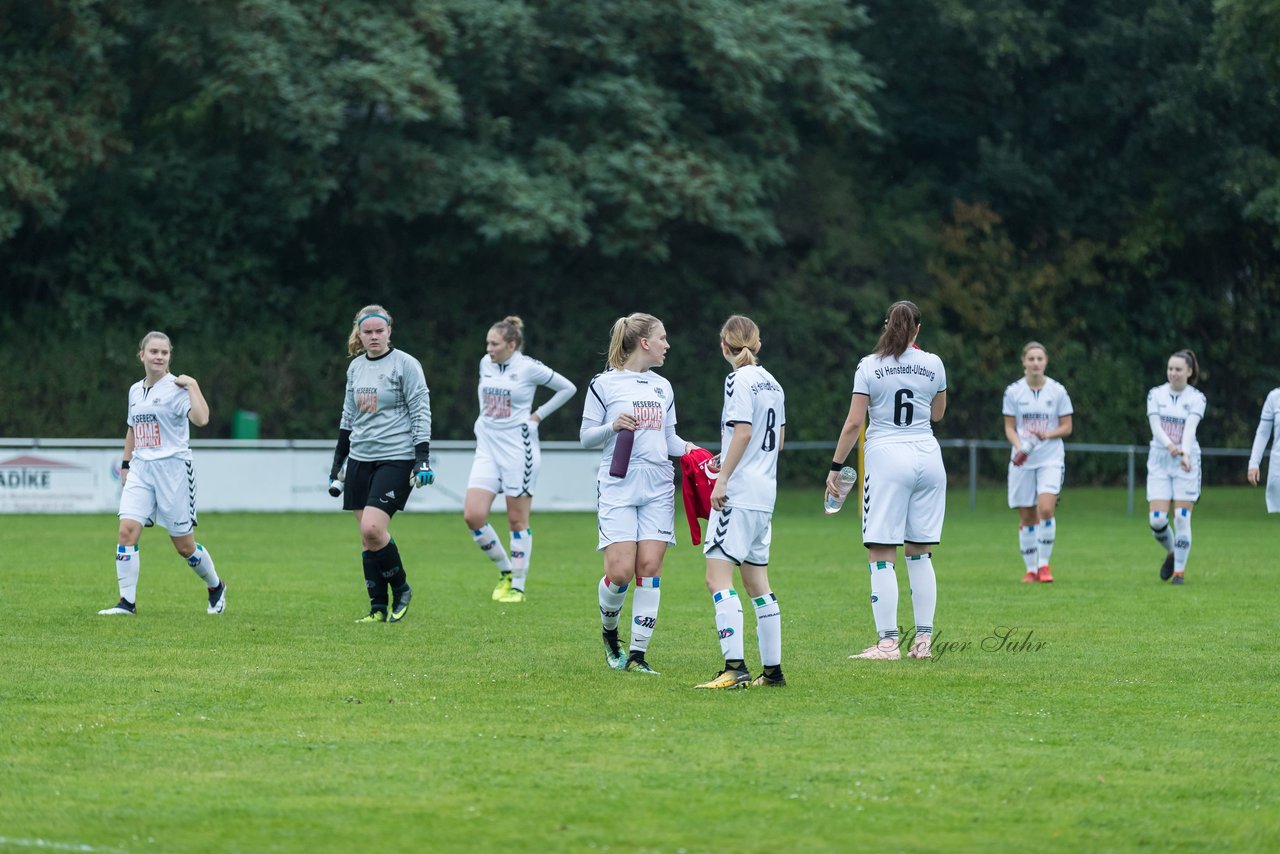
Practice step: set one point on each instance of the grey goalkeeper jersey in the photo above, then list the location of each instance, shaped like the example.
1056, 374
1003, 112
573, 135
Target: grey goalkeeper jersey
387, 407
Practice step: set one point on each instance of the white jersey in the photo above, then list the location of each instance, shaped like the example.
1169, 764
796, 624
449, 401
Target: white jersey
1173, 409
506, 391
901, 392
1268, 431
158, 416
753, 396
1039, 409
644, 395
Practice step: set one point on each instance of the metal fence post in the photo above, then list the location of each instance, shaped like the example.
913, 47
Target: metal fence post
1132, 456
973, 474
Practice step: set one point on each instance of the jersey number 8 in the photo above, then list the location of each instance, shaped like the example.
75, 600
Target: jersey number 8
770, 437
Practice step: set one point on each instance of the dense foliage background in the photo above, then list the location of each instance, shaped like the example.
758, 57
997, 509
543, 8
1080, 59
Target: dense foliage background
1101, 175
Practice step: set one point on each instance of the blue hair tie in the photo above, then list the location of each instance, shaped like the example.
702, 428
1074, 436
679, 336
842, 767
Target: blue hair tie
367, 316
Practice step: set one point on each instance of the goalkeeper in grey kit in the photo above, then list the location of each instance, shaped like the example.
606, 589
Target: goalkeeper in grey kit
384, 438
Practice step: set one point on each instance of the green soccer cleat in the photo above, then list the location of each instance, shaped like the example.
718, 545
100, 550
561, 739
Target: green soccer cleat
375, 615
613, 650
728, 679
401, 606
513, 595
503, 588
637, 664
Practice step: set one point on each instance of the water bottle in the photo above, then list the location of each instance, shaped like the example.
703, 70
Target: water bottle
833, 503
622, 453
1029, 444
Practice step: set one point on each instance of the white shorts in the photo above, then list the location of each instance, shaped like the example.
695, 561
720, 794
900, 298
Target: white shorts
904, 494
1026, 484
507, 461
1166, 481
739, 536
164, 489
640, 506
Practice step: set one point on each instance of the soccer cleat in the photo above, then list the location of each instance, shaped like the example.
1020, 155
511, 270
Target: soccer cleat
513, 596
1166, 568
124, 606
1177, 578
218, 597
764, 680
923, 647
885, 650
637, 664
728, 679
375, 615
1045, 575
401, 606
1031, 577
613, 650
503, 588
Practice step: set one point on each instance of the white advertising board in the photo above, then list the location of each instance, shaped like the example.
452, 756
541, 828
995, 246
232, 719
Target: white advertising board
83, 476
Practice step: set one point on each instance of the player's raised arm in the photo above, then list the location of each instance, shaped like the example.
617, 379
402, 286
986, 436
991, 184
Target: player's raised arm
199, 412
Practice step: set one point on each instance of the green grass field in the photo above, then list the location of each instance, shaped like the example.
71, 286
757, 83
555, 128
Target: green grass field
1139, 715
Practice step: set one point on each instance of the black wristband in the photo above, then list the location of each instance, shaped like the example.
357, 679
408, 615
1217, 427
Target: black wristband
124, 464
837, 466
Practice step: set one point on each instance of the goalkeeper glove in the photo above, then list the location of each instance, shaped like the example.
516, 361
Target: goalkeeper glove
422, 474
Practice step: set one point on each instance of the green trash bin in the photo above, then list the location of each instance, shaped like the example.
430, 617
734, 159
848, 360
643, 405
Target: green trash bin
244, 425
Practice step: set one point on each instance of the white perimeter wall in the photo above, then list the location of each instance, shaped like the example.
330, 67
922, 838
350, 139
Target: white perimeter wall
83, 476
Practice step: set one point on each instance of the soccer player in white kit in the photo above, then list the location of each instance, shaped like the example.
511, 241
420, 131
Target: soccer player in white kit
159, 480
1037, 416
902, 390
1174, 411
753, 420
1268, 431
636, 513
508, 457
385, 430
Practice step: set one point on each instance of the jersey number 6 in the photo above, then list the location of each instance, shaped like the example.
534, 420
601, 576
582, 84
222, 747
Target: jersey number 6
902, 408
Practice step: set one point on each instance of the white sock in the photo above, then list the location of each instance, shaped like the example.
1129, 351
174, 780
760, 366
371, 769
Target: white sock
1182, 538
729, 623
612, 597
201, 562
127, 572
487, 539
924, 591
521, 548
1027, 542
884, 598
769, 629
1048, 534
644, 612
1160, 527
